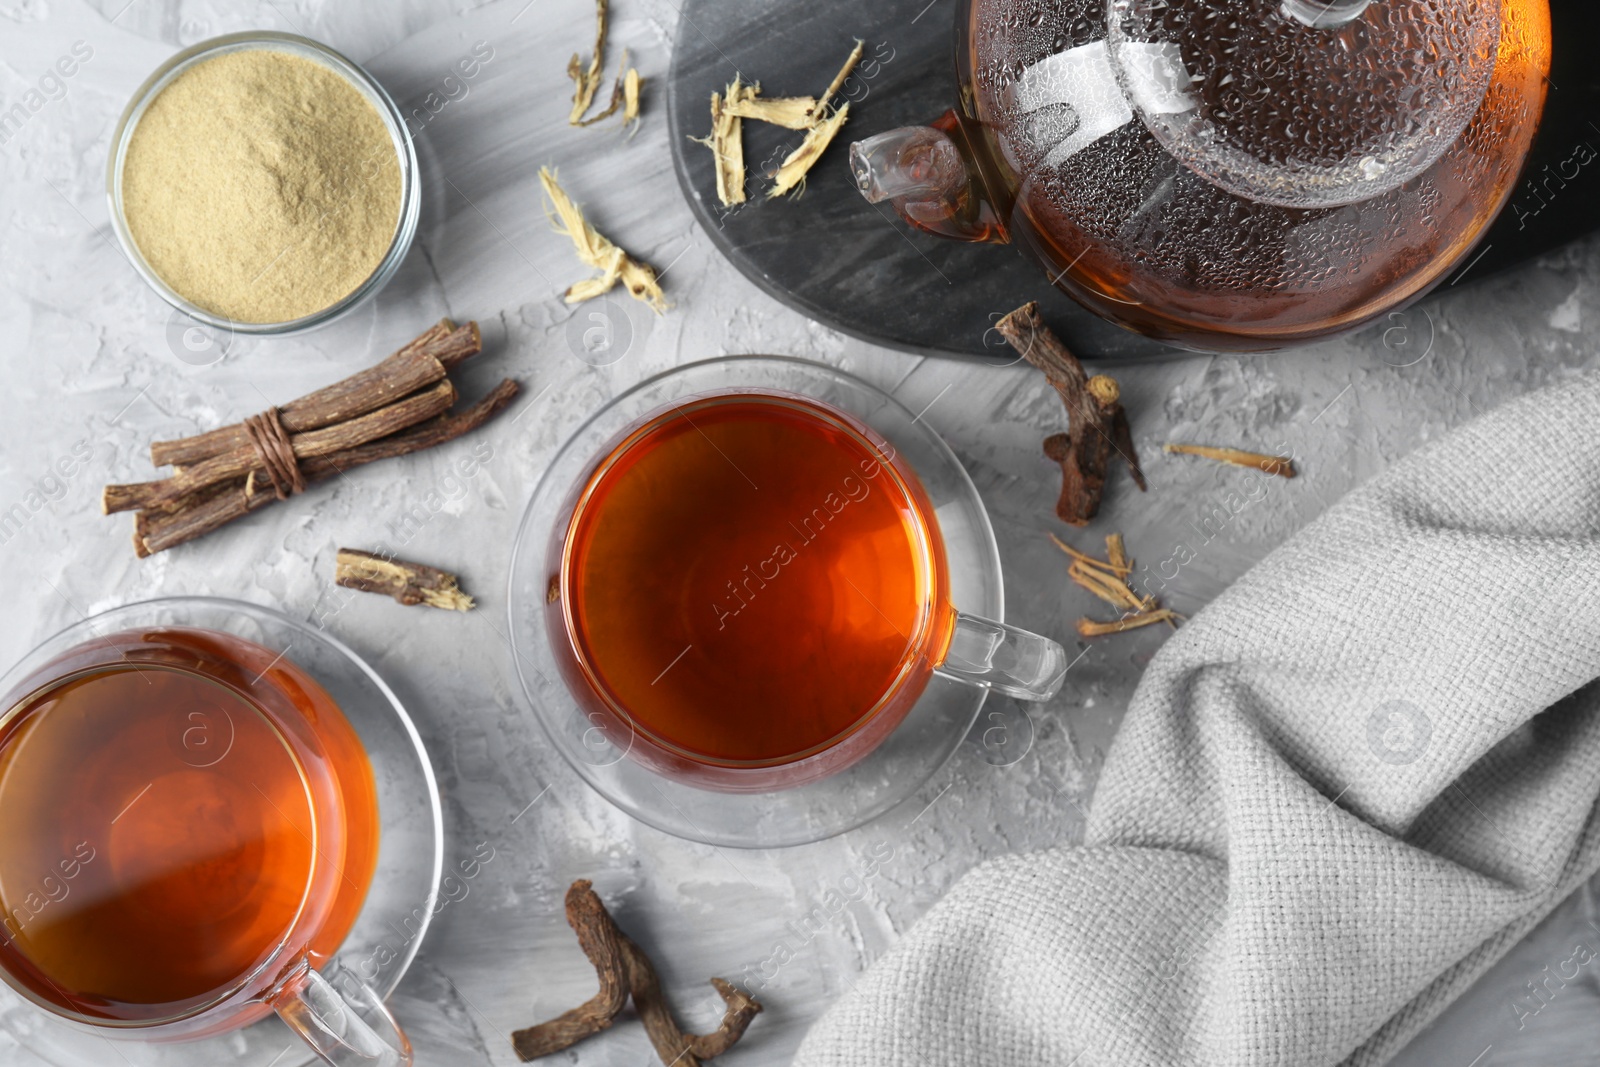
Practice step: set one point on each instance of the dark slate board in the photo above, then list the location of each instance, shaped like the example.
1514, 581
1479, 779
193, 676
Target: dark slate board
850, 265
858, 269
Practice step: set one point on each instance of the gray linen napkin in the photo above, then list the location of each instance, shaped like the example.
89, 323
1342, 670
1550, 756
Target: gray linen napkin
1340, 793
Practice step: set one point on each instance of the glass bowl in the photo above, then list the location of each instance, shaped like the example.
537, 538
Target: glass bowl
364, 83
890, 773
405, 885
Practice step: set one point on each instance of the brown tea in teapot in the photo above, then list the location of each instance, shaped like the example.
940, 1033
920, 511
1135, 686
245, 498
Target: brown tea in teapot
1228, 174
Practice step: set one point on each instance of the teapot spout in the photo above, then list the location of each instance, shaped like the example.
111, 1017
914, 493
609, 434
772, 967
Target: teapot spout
930, 179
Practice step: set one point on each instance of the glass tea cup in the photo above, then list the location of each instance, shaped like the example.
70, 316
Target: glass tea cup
188, 831
750, 586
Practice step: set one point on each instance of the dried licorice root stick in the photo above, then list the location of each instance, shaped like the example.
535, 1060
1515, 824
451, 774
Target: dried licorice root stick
586, 80
1098, 425
672, 1044
198, 514
619, 963
726, 140
417, 365
601, 941
1091, 628
407, 582
1108, 579
239, 462
1282, 466
820, 132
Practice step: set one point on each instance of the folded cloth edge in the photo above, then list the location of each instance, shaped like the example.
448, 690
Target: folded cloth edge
1444, 599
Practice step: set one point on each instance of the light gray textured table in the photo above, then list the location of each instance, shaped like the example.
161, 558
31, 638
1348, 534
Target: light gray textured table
88, 356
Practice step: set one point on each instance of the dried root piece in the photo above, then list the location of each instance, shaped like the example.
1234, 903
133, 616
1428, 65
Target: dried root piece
1090, 628
797, 164
727, 141
409, 583
209, 509
672, 1045
416, 365
1108, 580
596, 250
624, 97
616, 97
631, 84
742, 1009
1117, 554
820, 123
1112, 590
1111, 566
586, 79
824, 126
624, 970
1279, 465
790, 112
290, 450
844, 72
1099, 427
601, 941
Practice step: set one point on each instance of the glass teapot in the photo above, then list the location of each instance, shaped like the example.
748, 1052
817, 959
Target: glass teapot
1227, 175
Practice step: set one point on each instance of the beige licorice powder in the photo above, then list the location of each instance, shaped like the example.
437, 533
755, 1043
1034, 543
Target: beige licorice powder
261, 186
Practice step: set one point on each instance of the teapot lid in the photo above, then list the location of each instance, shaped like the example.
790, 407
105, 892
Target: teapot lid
1304, 103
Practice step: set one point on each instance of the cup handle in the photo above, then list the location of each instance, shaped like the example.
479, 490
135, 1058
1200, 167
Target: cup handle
353, 1029
992, 655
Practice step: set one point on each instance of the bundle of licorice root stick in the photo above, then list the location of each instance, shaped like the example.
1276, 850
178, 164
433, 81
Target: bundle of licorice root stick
401, 405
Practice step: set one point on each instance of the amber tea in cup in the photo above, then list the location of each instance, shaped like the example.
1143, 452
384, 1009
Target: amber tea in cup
188, 824
752, 592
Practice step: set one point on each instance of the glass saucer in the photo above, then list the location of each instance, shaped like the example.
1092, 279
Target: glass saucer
405, 887
897, 768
